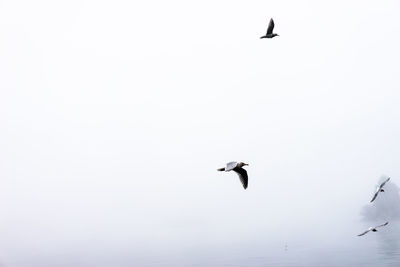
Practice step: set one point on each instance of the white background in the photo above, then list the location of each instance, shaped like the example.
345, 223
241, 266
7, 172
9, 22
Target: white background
115, 115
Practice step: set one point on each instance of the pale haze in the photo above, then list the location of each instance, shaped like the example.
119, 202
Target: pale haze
115, 115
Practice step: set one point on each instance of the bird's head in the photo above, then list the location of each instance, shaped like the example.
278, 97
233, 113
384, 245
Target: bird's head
241, 164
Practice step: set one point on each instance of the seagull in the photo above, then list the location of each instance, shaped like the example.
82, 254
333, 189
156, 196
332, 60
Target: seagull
237, 167
269, 33
379, 189
373, 229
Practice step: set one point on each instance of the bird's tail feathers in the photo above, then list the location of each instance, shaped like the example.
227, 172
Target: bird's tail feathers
221, 169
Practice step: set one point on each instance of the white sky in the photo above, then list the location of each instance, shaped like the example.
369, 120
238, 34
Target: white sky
115, 115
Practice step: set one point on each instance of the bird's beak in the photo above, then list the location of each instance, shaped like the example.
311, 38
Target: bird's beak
246, 164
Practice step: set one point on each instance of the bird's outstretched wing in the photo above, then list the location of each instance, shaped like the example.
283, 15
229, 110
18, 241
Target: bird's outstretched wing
386, 223
271, 26
230, 165
363, 233
242, 175
376, 194
382, 184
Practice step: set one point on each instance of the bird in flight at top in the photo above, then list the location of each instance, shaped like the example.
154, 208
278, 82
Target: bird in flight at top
373, 229
269, 33
237, 167
379, 189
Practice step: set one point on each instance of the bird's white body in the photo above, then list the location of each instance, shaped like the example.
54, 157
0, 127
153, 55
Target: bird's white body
378, 189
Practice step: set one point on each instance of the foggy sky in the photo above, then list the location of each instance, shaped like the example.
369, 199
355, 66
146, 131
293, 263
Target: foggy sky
114, 117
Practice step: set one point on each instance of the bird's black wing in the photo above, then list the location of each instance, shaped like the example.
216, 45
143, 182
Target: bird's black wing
242, 175
364, 233
386, 223
376, 194
271, 26
387, 180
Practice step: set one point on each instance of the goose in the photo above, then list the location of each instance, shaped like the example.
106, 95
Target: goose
238, 168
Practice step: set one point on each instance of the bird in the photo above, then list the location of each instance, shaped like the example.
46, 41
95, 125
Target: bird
373, 229
238, 168
269, 33
379, 189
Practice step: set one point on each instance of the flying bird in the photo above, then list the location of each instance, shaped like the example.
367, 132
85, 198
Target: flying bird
373, 229
269, 33
238, 168
379, 189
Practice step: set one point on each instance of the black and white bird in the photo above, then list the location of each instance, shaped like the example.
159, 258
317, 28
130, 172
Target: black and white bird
373, 229
379, 189
270, 29
238, 168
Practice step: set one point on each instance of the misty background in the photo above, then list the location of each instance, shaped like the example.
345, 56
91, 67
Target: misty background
114, 117
385, 209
